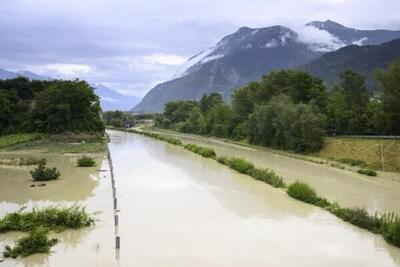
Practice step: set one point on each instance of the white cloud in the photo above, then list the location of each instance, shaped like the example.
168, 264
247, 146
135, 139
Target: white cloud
164, 59
62, 69
318, 40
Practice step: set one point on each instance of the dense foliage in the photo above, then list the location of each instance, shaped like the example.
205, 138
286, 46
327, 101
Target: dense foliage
36, 242
119, 119
293, 110
15, 139
48, 107
42, 173
86, 162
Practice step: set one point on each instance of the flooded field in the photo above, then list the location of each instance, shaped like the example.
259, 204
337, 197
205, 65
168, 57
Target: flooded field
87, 186
377, 194
179, 209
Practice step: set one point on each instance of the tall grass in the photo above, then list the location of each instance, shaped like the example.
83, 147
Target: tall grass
86, 162
36, 242
303, 192
367, 172
268, 176
57, 218
15, 139
203, 151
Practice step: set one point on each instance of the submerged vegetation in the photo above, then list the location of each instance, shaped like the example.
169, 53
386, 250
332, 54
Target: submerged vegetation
36, 242
86, 162
203, 151
38, 222
42, 173
367, 172
388, 225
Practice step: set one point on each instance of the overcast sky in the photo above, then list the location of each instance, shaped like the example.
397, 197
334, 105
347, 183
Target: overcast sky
132, 45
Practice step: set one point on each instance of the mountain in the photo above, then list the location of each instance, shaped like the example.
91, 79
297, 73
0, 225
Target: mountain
112, 100
249, 53
5, 74
362, 59
349, 36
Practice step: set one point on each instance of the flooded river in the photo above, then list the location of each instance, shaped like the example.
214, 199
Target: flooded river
377, 194
179, 209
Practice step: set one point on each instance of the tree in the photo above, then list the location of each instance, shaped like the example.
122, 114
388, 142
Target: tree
4, 112
389, 82
209, 101
178, 111
282, 124
357, 98
67, 106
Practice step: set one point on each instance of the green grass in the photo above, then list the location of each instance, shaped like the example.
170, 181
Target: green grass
42, 173
86, 162
36, 242
203, 151
240, 165
57, 218
267, 176
303, 192
367, 172
15, 139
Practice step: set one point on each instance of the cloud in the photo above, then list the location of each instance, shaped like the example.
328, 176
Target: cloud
134, 44
318, 40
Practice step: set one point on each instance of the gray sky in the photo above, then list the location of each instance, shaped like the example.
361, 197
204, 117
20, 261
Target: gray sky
132, 45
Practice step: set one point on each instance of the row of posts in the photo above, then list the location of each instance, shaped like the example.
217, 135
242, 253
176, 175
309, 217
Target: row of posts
114, 193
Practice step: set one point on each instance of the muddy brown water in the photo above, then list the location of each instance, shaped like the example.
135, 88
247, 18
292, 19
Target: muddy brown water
179, 209
377, 194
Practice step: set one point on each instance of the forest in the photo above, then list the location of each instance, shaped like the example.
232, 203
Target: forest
294, 110
49, 107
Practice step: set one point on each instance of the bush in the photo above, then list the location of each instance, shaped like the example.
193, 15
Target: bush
303, 192
367, 172
358, 217
55, 218
41, 173
223, 160
392, 233
203, 151
352, 162
36, 242
268, 176
240, 165
86, 162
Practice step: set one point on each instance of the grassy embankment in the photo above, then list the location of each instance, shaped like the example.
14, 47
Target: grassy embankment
365, 153
388, 225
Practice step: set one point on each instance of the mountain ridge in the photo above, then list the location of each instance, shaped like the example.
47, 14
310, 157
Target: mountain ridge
246, 55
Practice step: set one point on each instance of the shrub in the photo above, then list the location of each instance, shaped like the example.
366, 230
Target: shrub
367, 172
203, 151
303, 192
41, 173
223, 160
268, 176
86, 162
392, 233
352, 162
240, 165
55, 218
36, 242
358, 217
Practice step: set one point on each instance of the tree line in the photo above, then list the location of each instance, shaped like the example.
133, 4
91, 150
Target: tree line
293, 110
55, 106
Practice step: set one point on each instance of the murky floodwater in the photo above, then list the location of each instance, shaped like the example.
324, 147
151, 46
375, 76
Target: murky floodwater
179, 209
350, 189
87, 186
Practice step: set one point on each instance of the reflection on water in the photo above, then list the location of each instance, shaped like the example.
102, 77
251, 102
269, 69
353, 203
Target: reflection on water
179, 209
